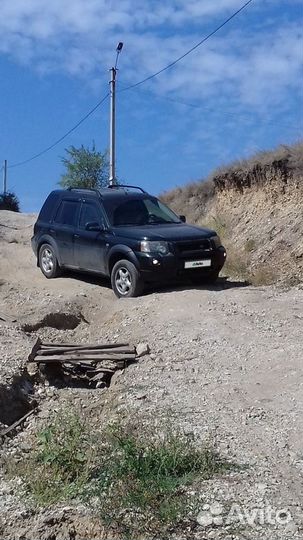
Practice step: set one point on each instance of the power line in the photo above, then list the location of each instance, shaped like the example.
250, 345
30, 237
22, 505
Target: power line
179, 101
63, 136
171, 64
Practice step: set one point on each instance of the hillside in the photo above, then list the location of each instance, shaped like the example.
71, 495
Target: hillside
256, 207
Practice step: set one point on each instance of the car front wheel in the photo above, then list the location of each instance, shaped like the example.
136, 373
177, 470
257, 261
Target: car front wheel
126, 280
48, 261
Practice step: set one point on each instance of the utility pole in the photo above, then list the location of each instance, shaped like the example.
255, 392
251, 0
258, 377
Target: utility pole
112, 129
112, 123
5, 176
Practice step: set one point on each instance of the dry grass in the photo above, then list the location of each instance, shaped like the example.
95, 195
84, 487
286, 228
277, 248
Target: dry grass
291, 155
250, 245
284, 163
262, 275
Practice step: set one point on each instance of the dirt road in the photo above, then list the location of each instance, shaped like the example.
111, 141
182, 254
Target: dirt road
225, 363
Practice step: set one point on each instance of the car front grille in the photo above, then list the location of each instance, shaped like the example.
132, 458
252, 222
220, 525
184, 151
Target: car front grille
193, 247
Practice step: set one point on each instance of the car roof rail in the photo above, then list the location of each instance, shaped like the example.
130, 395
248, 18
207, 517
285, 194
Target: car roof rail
117, 186
85, 189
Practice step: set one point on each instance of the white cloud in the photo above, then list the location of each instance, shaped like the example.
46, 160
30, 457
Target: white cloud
78, 37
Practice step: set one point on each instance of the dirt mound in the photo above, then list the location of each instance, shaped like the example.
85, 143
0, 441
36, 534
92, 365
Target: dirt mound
256, 207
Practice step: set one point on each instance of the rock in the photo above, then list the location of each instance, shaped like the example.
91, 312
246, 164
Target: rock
32, 369
291, 527
216, 509
142, 349
205, 519
141, 396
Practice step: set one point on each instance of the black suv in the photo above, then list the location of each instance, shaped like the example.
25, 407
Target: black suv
124, 233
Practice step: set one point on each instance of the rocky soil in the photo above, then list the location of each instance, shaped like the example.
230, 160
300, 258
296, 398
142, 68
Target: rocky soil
225, 363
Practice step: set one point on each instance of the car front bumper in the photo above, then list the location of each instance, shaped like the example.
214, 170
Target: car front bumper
156, 267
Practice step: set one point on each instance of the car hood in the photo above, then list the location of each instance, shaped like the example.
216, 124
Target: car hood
169, 232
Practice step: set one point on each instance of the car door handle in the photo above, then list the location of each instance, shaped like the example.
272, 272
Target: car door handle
76, 236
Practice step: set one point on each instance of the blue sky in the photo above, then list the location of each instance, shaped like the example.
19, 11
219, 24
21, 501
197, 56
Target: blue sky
242, 89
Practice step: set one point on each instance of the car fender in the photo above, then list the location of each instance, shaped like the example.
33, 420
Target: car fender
47, 239
123, 251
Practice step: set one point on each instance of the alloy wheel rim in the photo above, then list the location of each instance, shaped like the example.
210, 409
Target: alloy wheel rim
47, 260
123, 281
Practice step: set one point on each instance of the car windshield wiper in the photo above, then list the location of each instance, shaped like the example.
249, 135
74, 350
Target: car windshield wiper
158, 221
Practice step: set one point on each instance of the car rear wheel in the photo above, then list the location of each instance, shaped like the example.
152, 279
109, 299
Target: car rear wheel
48, 261
126, 280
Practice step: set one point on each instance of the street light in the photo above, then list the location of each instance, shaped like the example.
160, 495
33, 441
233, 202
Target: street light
112, 126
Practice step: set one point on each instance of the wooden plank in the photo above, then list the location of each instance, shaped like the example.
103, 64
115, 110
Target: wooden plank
89, 346
79, 358
101, 370
86, 366
18, 422
86, 350
34, 350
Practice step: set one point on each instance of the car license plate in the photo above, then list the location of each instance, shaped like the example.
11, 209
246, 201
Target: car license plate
198, 264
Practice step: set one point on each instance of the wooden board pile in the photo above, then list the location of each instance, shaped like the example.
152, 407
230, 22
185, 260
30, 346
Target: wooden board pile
91, 364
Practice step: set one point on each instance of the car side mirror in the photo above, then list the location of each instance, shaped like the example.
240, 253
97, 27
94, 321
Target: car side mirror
183, 219
94, 226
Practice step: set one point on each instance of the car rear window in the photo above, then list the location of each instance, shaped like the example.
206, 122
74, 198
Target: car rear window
49, 207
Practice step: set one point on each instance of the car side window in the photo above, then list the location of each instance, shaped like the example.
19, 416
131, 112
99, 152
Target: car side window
89, 214
67, 213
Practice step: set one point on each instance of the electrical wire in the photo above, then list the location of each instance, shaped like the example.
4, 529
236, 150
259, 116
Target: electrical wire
171, 64
206, 38
61, 138
179, 101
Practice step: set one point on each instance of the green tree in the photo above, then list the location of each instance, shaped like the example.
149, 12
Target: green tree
84, 168
9, 201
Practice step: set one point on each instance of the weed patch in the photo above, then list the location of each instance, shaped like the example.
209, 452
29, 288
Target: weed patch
138, 481
250, 245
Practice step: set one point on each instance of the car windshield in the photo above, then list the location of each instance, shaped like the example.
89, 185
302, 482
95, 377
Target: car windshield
139, 211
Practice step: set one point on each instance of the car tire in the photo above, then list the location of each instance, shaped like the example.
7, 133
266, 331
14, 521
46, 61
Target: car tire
126, 280
48, 261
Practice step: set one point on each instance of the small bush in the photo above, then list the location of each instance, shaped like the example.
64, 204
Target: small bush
137, 480
219, 225
9, 201
60, 465
262, 275
236, 265
149, 475
250, 245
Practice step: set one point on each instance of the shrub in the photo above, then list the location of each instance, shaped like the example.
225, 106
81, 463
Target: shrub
9, 201
138, 481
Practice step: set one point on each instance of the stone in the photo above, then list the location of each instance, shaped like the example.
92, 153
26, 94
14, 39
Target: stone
216, 509
32, 369
205, 519
142, 349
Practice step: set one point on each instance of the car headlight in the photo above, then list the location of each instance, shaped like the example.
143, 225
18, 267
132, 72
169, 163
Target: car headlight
217, 241
154, 247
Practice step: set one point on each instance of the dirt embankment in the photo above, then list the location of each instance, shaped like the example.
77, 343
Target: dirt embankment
256, 207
